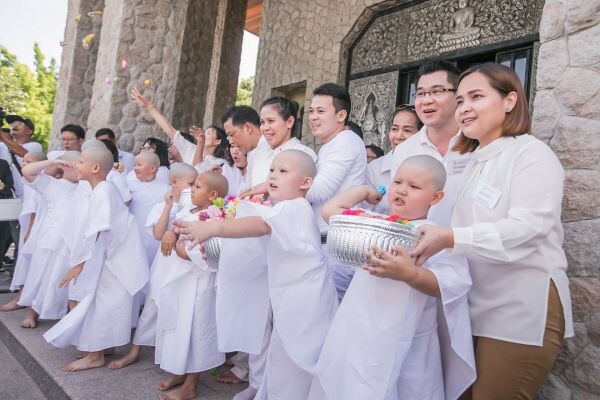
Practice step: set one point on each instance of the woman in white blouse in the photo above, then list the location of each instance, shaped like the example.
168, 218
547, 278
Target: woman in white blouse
506, 221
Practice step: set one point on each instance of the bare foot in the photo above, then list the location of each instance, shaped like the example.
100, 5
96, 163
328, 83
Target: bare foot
129, 358
228, 377
12, 305
181, 393
30, 320
171, 381
92, 360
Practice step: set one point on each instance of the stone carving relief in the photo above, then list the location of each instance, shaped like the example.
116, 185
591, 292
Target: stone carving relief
440, 26
373, 102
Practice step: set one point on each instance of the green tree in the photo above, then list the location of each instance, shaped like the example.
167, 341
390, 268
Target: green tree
244, 92
29, 93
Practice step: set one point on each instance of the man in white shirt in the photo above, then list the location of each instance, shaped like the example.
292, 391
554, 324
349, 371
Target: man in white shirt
435, 105
125, 158
342, 160
72, 137
15, 145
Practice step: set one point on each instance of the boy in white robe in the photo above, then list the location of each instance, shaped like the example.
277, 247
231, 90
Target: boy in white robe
384, 341
115, 263
33, 206
146, 194
301, 293
158, 224
50, 258
186, 332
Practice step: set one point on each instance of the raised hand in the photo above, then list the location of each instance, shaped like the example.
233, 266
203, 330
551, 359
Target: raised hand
141, 100
198, 134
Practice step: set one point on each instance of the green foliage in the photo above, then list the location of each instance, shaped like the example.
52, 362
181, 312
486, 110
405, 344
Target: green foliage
29, 93
244, 92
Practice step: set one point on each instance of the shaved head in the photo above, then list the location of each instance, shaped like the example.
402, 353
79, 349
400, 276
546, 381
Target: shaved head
304, 161
100, 156
215, 181
34, 156
149, 157
71, 156
92, 143
436, 169
181, 170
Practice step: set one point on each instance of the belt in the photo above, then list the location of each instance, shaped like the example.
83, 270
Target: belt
323, 238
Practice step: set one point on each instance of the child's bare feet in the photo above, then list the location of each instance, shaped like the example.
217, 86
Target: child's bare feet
92, 360
171, 381
30, 320
12, 305
228, 377
181, 393
129, 358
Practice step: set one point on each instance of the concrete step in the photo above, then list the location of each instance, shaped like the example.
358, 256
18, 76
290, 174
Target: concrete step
42, 363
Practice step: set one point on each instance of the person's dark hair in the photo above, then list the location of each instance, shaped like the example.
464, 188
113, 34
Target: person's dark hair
354, 127
285, 109
407, 109
432, 65
76, 129
240, 115
339, 94
376, 149
222, 149
105, 131
504, 80
112, 148
162, 150
188, 136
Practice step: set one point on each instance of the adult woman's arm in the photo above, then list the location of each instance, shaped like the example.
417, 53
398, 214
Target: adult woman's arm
160, 119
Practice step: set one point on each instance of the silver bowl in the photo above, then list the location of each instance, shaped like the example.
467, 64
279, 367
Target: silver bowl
212, 249
350, 237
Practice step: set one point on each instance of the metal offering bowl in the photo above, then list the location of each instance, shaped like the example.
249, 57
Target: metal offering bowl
350, 237
212, 249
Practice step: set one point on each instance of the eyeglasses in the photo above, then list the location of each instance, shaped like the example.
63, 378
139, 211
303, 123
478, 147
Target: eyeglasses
435, 93
147, 148
65, 139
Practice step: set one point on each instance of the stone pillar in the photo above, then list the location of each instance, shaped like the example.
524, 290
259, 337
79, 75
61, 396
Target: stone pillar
170, 51
77, 67
225, 59
567, 116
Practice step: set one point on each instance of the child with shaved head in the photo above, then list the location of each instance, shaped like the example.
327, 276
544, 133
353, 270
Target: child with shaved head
49, 259
158, 224
301, 293
112, 270
383, 342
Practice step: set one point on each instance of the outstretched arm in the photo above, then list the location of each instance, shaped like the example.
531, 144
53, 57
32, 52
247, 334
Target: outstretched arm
200, 139
160, 119
30, 171
201, 231
348, 199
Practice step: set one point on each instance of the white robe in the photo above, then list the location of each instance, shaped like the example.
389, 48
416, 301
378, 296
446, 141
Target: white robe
118, 179
302, 295
186, 332
384, 343
50, 258
33, 204
242, 292
117, 270
145, 332
146, 195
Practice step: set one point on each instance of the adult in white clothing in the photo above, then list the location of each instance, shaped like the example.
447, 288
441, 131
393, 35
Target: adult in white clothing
72, 137
126, 159
506, 221
405, 123
342, 160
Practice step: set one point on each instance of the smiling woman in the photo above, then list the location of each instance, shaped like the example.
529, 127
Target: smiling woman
506, 221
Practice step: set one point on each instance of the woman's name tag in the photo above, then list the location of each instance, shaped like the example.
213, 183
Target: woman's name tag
487, 195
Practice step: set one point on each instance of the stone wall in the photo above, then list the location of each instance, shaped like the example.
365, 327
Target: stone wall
72, 104
567, 116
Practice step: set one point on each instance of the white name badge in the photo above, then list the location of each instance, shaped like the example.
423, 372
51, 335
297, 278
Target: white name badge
458, 166
487, 195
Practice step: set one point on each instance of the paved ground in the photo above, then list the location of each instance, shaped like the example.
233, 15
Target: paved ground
16, 383
42, 362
